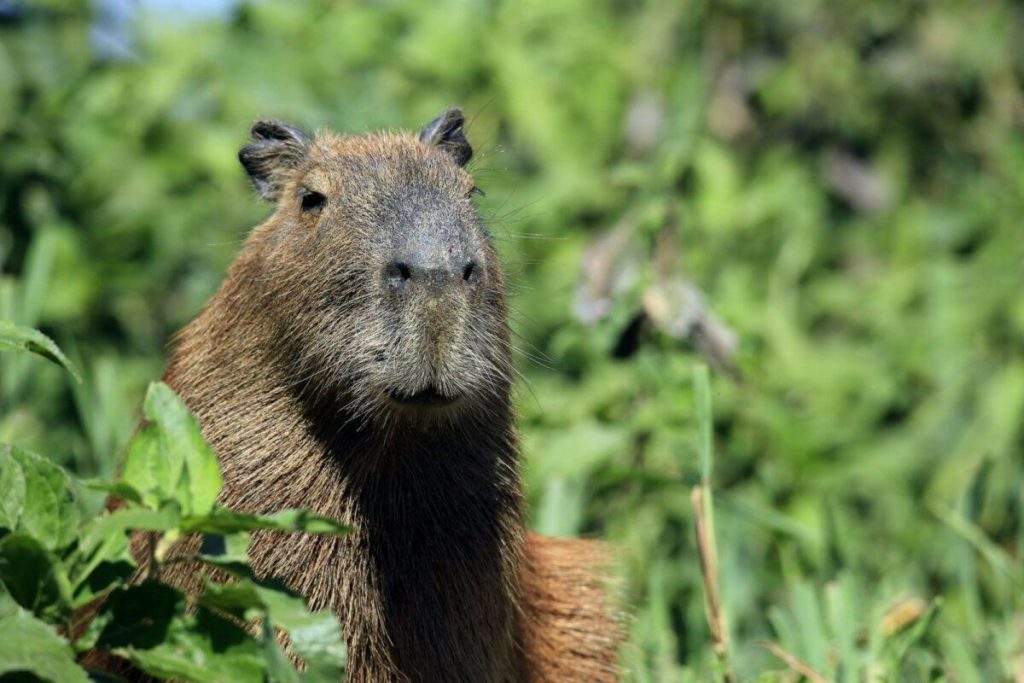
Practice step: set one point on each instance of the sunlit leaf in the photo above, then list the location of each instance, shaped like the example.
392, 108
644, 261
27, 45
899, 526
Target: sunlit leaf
182, 441
168, 459
147, 471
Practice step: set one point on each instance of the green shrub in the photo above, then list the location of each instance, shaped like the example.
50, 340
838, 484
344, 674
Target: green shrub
55, 562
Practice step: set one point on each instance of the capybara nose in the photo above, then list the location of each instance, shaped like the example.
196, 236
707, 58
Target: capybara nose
431, 276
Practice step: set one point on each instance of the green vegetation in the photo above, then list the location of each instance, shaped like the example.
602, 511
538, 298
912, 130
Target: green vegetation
54, 562
838, 184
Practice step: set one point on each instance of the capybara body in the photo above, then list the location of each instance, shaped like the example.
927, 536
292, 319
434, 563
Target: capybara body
356, 361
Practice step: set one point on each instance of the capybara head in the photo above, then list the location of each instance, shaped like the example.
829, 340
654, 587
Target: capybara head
379, 276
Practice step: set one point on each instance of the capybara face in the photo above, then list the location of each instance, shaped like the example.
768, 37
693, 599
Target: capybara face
383, 280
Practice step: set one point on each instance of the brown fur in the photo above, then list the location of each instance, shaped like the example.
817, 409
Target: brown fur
286, 369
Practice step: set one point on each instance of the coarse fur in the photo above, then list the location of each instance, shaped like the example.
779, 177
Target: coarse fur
356, 361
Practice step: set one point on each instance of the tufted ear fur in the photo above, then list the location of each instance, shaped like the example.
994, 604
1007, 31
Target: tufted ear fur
446, 132
276, 148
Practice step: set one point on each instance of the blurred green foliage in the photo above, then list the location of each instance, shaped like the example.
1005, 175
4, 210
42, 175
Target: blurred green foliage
843, 180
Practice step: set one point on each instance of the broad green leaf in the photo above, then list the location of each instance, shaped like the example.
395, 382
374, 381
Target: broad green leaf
151, 625
560, 511
168, 459
29, 645
840, 600
204, 648
17, 338
182, 442
229, 547
102, 561
315, 636
12, 492
49, 513
147, 471
307, 522
34, 577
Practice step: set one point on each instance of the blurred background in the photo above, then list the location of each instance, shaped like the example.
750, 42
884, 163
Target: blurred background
822, 201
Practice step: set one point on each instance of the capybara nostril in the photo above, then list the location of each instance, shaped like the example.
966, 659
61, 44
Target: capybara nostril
471, 272
397, 274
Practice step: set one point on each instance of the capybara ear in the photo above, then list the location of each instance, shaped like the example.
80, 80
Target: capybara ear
446, 132
276, 149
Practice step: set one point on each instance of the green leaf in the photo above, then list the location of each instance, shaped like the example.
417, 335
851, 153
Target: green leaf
279, 669
315, 636
224, 521
181, 439
103, 565
121, 490
34, 577
119, 522
146, 471
307, 522
242, 600
151, 626
17, 338
226, 548
29, 645
49, 511
12, 486
102, 561
169, 459
229, 552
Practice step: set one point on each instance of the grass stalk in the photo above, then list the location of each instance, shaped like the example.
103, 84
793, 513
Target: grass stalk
704, 526
794, 663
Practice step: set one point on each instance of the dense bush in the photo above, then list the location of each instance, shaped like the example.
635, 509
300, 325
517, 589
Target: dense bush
839, 184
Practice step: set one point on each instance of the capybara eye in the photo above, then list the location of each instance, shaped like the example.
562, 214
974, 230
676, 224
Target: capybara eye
311, 201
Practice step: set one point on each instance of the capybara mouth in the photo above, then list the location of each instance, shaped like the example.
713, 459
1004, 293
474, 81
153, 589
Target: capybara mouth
425, 397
